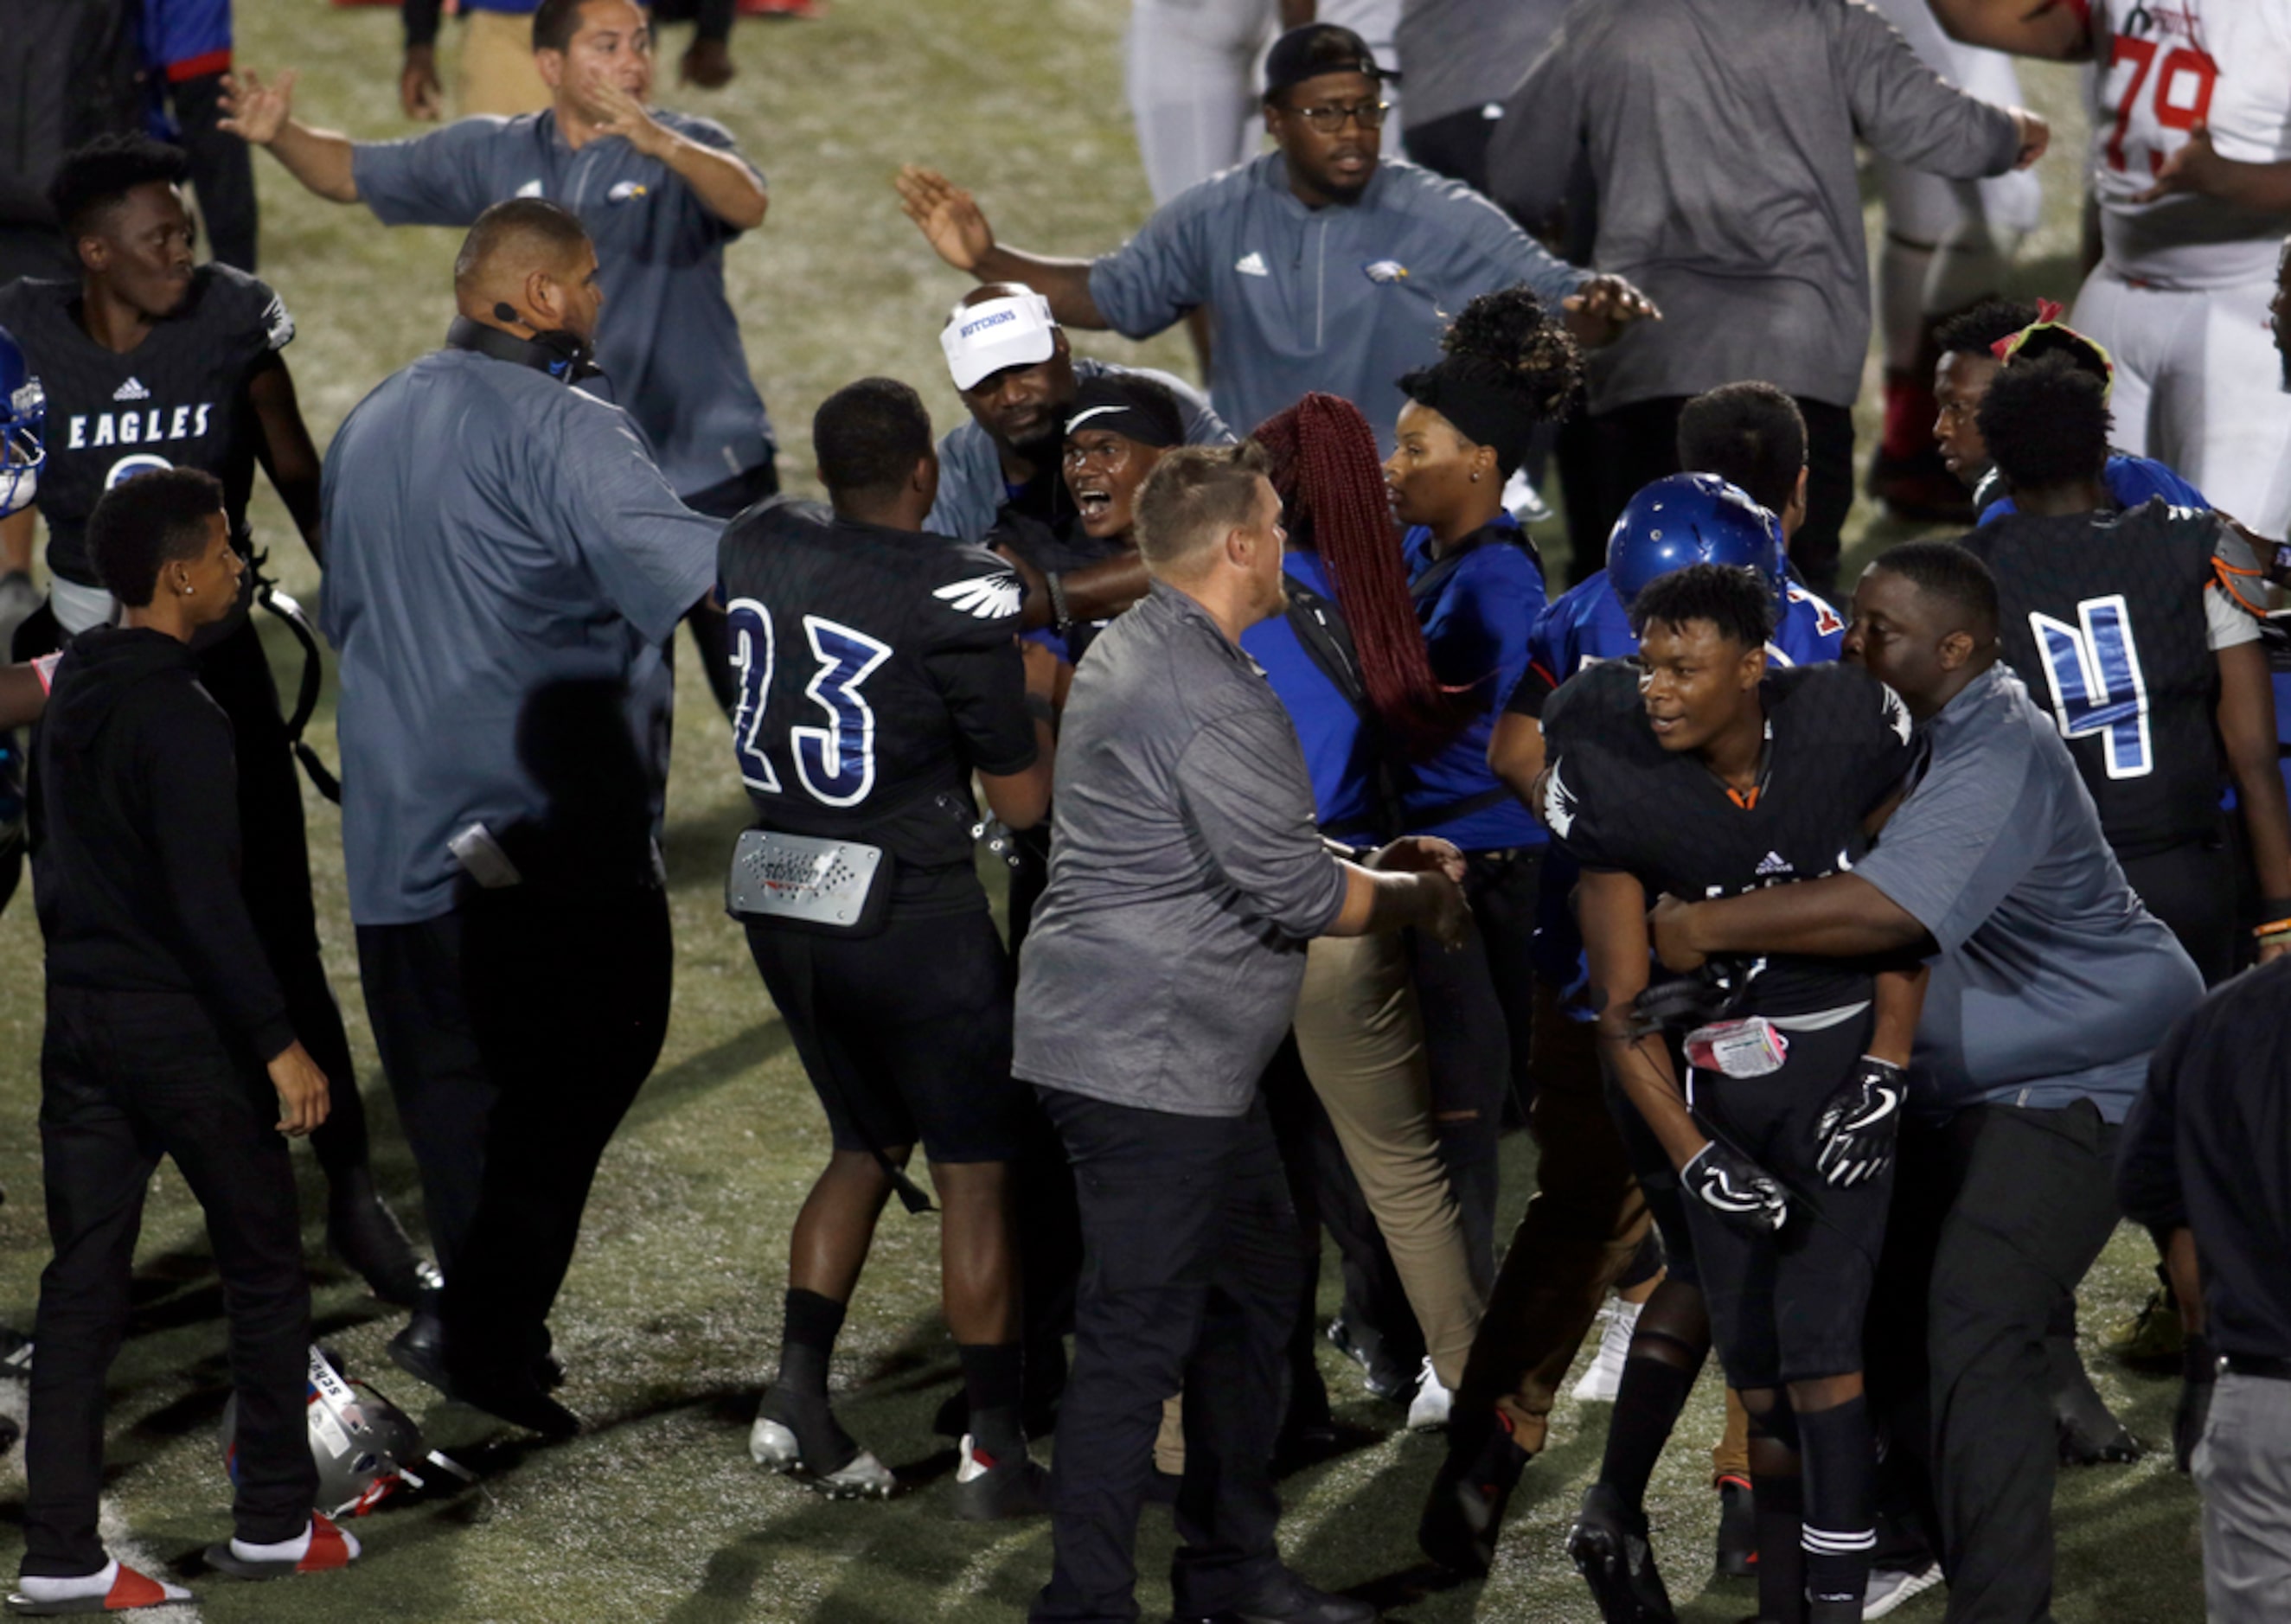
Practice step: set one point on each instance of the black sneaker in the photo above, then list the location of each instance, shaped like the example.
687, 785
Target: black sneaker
2090, 1434
1386, 1377
990, 1490
1464, 1515
1738, 1529
1287, 1599
1609, 1547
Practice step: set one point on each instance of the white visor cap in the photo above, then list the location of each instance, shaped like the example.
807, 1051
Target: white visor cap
980, 339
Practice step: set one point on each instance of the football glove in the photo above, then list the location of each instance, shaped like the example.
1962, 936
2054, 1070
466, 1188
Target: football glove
1736, 1189
1680, 1005
1858, 1126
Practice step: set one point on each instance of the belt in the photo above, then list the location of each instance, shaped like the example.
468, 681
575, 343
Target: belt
2259, 1365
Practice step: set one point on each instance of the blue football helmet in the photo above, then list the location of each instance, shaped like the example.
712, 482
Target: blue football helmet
23, 428
1693, 518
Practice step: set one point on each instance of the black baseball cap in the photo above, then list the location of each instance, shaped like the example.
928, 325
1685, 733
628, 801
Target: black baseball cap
1315, 49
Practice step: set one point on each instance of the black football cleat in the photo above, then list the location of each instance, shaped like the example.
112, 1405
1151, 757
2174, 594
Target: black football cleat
1609, 1547
1738, 1529
364, 1232
1286, 1599
990, 1490
1463, 1516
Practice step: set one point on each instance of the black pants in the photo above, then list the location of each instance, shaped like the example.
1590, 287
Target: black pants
515, 1032
1191, 1272
709, 630
1635, 445
127, 1078
1455, 146
1997, 1213
2191, 888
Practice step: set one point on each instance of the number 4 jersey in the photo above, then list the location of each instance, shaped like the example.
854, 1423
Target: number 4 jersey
2112, 621
2165, 67
877, 669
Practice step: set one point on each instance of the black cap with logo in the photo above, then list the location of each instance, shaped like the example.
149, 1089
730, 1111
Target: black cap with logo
1315, 49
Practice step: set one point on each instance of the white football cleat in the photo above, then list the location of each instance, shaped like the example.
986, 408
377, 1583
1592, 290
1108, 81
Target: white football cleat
773, 1446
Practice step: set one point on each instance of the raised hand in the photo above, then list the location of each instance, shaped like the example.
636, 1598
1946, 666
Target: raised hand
949, 218
254, 111
616, 112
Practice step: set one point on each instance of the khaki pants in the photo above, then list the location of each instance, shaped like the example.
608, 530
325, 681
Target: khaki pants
1362, 1039
1580, 1231
496, 74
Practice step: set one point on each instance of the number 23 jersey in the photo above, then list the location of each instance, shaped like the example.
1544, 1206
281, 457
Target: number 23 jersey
2164, 68
1837, 744
878, 668
2112, 621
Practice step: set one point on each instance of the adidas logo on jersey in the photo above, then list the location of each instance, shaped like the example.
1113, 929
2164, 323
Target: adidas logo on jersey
983, 597
1772, 863
133, 389
1251, 264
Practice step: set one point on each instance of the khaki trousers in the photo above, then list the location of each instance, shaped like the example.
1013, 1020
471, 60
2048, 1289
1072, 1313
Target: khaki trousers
1361, 1037
496, 74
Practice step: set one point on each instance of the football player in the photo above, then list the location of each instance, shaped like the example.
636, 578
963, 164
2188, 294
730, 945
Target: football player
1698, 772
879, 669
2192, 167
2135, 630
147, 363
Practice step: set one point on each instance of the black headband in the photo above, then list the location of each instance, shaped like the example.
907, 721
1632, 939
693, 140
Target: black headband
1484, 414
1114, 404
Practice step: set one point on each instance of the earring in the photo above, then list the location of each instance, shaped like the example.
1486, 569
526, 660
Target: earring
1475, 479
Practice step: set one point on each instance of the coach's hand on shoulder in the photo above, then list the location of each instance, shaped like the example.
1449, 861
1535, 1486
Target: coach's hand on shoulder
2036, 136
302, 1096
949, 218
1599, 311
1669, 924
1858, 1127
1419, 853
1736, 1189
255, 112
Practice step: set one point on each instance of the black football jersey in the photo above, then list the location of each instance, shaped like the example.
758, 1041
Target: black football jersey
878, 668
1837, 744
2103, 617
177, 400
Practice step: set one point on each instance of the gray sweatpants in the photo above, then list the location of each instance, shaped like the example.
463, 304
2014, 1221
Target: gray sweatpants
2243, 1465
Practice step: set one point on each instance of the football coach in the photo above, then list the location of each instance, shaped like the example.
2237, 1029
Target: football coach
507, 565
1187, 868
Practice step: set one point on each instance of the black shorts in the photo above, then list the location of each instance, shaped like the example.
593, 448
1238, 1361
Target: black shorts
1657, 1182
1788, 1306
906, 1034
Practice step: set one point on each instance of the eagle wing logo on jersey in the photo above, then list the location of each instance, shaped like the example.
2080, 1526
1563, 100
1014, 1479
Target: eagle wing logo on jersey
983, 597
1896, 713
277, 326
1558, 804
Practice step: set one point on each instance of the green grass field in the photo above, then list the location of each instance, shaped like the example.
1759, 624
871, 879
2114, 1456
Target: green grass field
668, 1324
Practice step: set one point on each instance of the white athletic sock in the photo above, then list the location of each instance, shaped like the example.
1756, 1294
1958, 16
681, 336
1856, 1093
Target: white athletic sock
42, 1587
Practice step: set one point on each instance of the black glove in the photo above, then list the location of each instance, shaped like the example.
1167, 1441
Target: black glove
1736, 1189
2199, 1375
1681, 1004
1858, 1125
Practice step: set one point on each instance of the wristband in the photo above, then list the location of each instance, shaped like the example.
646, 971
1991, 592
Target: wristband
2269, 932
1061, 616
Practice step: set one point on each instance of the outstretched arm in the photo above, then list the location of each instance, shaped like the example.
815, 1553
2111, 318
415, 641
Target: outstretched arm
952, 221
1842, 916
262, 115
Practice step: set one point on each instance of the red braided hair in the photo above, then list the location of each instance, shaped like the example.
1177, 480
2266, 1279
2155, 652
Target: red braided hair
1325, 467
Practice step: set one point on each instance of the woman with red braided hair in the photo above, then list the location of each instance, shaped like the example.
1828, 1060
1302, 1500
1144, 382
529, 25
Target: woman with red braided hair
1350, 664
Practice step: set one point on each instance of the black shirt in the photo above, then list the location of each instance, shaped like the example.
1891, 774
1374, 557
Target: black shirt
177, 400
878, 668
135, 852
2208, 1147
2103, 617
1837, 745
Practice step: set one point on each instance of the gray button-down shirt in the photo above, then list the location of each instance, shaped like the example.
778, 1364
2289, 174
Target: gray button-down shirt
2054, 983
1187, 875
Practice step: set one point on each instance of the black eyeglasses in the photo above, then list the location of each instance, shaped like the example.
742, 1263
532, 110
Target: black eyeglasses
1329, 120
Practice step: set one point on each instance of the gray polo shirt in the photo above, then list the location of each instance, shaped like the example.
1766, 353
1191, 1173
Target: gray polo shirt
2053, 982
490, 534
667, 338
1720, 136
970, 487
1343, 299
1187, 875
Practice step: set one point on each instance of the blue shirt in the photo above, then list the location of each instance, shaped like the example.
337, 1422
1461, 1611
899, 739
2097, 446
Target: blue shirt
667, 338
491, 534
2053, 982
1338, 752
1343, 299
2131, 481
1475, 619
